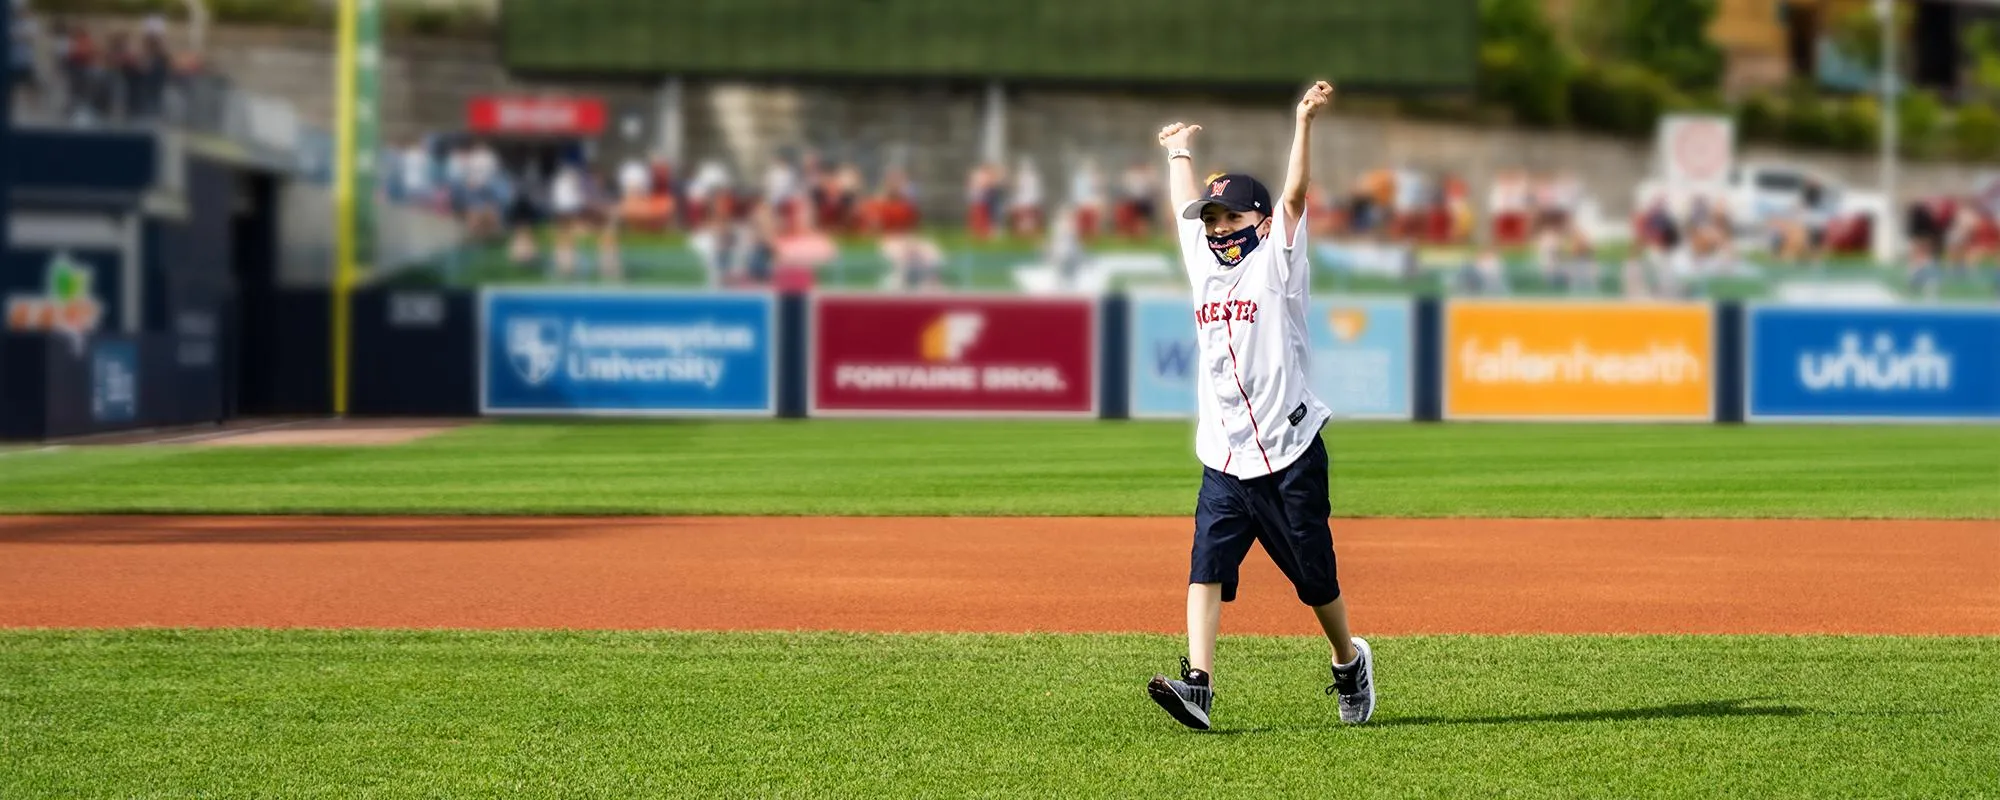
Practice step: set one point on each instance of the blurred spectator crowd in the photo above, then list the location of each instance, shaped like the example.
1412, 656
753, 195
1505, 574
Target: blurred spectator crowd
1784, 219
776, 231
566, 208
62, 71
1014, 204
1955, 234
1397, 205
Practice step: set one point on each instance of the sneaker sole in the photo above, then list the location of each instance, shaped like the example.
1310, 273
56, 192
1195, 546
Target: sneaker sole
1181, 710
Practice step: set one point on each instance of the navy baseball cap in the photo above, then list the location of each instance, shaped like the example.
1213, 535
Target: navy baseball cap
1234, 191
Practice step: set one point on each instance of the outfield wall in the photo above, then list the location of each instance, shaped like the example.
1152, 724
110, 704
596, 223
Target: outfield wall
138, 282
1134, 356
554, 352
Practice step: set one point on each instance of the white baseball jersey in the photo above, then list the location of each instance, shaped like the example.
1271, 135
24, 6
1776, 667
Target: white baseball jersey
1257, 412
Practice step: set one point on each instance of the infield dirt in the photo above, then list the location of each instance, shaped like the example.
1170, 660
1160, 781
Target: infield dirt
988, 574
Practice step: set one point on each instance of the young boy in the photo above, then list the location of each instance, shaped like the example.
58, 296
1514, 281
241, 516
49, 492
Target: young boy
1264, 476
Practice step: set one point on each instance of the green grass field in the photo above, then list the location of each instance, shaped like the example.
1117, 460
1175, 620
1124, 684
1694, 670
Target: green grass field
822, 467
301, 713
403, 714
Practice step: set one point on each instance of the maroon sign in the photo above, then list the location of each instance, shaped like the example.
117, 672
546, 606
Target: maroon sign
536, 116
953, 355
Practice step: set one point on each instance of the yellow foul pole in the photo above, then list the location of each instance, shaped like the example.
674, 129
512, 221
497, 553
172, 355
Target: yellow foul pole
343, 199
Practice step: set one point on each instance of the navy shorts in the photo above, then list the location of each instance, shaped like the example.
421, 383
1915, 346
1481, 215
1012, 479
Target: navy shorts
1287, 511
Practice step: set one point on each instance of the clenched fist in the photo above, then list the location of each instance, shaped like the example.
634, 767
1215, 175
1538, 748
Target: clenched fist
1316, 97
1177, 135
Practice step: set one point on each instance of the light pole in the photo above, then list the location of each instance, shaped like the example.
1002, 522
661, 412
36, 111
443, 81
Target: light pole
1887, 239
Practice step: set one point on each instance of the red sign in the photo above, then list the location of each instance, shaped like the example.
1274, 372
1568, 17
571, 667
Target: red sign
953, 355
536, 116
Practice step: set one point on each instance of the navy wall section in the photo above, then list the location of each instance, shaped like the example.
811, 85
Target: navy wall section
793, 326
184, 349
1114, 351
188, 260
415, 353
164, 390
288, 367
1729, 372
23, 386
1428, 360
83, 167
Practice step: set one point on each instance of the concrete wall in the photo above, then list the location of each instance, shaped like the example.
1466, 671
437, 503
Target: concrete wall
425, 83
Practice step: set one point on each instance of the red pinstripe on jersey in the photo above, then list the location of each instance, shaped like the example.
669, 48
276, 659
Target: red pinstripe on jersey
1236, 371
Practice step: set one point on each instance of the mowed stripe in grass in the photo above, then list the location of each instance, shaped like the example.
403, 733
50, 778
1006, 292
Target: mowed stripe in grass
409, 714
827, 467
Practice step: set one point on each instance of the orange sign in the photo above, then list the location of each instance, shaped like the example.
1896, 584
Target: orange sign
1557, 360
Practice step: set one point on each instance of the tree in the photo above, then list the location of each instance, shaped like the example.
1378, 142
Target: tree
1598, 29
1523, 64
1858, 34
1982, 46
1671, 37
1518, 21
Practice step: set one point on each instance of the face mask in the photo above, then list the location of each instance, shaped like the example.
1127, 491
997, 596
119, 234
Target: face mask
1230, 249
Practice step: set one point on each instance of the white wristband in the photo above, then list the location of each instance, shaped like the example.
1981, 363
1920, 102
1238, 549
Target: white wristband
1180, 152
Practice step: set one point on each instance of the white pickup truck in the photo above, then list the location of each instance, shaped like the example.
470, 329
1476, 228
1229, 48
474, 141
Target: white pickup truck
1759, 191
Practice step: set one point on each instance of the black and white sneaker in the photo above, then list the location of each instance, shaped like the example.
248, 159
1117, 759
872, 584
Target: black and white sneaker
1187, 699
1356, 686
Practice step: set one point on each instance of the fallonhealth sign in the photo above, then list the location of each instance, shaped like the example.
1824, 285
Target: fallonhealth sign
953, 355
1579, 361
1911, 364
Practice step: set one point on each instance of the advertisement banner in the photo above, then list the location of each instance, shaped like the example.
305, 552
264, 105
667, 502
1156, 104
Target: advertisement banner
953, 355
537, 116
1361, 356
1160, 370
1872, 363
627, 352
1697, 149
69, 293
1579, 361
114, 381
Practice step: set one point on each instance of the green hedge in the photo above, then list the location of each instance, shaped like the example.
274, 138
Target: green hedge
1623, 99
1977, 133
1925, 127
1187, 43
1919, 119
1857, 124
1529, 82
1530, 70
1759, 119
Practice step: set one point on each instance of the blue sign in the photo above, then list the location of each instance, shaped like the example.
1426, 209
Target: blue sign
1361, 354
1820, 363
1163, 357
114, 381
1361, 357
627, 352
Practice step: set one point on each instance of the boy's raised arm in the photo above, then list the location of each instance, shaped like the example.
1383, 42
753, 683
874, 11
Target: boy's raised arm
1298, 173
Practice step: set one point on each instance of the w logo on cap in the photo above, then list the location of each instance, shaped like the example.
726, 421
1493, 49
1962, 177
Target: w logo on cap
1215, 189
